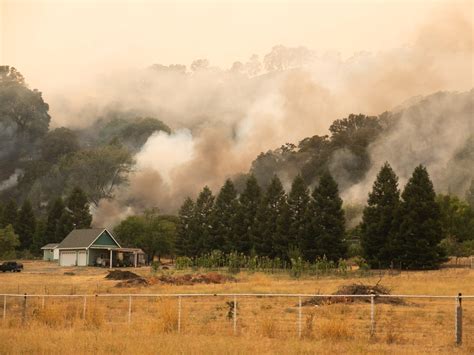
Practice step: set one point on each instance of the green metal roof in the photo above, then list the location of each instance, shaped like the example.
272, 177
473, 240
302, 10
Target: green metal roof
82, 238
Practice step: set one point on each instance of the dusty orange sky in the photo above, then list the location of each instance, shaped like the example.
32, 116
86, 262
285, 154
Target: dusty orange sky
52, 42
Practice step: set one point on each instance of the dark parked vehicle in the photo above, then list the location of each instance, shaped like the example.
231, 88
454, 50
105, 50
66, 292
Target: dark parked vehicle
11, 266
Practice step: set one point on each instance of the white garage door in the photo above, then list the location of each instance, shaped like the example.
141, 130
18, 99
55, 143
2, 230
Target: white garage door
67, 258
81, 258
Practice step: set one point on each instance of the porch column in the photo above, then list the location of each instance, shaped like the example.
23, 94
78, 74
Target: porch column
111, 258
135, 255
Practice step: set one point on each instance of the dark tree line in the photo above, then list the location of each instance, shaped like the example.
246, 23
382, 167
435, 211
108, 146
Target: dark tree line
267, 223
33, 232
412, 229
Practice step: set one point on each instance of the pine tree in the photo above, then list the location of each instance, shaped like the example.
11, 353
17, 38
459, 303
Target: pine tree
78, 205
25, 226
298, 201
185, 228
39, 237
202, 220
326, 228
419, 234
1, 216
56, 210
10, 214
222, 219
9, 241
64, 226
470, 195
379, 218
270, 240
245, 223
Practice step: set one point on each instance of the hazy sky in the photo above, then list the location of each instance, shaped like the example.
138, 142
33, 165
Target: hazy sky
48, 40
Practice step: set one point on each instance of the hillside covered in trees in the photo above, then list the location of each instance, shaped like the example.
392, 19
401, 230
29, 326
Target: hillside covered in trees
305, 199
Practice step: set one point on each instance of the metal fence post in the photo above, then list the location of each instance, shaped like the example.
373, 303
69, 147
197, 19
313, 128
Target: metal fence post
235, 314
372, 315
23, 316
84, 307
299, 317
4, 307
129, 309
458, 319
179, 314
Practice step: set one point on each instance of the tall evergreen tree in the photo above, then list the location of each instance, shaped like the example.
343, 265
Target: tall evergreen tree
269, 240
64, 226
39, 237
1, 216
245, 223
55, 212
222, 219
470, 195
25, 226
379, 218
185, 228
10, 214
78, 205
420, 232
326, 228
202, 220
298, 201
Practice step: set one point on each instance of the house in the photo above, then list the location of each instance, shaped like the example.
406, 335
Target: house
50, 252
96, 247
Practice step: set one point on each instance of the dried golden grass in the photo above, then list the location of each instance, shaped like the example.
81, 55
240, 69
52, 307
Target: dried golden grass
342, 328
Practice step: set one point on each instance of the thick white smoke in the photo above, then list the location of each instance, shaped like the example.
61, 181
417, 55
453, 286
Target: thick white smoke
233, 115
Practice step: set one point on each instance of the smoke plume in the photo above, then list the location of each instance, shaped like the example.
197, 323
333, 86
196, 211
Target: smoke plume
222, 119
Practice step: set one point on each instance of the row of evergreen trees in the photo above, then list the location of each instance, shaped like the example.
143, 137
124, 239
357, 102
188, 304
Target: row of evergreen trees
399, 230
34, 232
267, 223
404, 231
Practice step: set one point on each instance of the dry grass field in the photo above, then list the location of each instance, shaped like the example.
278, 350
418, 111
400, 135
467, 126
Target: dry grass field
264, 325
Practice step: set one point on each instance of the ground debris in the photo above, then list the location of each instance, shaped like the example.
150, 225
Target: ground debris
189, 279
356, 289
121, 275
137, 282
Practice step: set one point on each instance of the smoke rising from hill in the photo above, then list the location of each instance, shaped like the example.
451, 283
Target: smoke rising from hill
233, 115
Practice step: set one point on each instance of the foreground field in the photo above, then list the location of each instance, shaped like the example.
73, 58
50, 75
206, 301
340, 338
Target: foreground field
206, 325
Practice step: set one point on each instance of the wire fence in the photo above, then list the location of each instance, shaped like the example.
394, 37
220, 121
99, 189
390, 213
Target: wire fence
427, 319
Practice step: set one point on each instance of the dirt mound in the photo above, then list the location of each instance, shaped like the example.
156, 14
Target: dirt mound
356, 289
121, 275
133, 283
189, 279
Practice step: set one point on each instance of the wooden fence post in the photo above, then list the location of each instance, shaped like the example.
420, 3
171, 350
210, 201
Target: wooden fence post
84, 308
179, 314
129, 309
372, 315
4, 307
299, 317
458, 319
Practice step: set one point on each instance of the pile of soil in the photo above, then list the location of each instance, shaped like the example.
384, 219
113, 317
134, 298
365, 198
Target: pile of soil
122, 275
356, 289
189, 279
133, 280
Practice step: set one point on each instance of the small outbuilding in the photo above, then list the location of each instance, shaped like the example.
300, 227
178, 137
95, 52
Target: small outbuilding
96, 247
50, 252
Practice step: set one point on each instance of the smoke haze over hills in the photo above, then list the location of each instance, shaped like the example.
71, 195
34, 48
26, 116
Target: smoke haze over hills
223, 118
